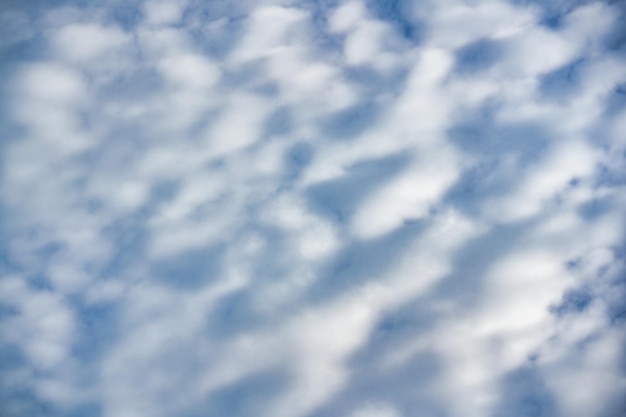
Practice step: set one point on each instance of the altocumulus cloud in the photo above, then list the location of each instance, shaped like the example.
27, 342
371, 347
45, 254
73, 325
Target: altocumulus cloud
313, 208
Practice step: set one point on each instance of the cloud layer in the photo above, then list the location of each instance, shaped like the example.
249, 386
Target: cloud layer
311, 209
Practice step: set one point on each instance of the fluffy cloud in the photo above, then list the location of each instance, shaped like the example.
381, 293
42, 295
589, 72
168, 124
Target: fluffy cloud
302, 209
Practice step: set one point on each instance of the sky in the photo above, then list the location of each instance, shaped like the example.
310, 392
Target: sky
297, 208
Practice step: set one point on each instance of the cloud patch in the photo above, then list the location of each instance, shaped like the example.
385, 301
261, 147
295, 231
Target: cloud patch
297, 209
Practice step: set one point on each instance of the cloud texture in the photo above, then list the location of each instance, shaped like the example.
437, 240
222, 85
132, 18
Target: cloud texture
313, 208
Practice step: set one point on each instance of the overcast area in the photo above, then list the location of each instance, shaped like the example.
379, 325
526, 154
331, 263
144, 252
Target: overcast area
312, 208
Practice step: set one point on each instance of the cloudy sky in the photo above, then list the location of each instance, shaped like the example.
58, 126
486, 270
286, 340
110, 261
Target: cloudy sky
299, 208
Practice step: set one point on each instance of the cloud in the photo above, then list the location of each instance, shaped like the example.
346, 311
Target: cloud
88, 42
163, 12
303, 209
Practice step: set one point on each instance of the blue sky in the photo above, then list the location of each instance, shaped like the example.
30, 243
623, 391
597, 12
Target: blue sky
312, 208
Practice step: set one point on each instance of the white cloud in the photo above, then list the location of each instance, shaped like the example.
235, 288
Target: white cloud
240, 125
163, 12
587, 24
535, 51
263, 38
51, 83
365, 44
83, 42
594, 366
43, 325
189, 71
410, 196
367, 41
207, 130
570, 161
347, 16
460, 23
376, 410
